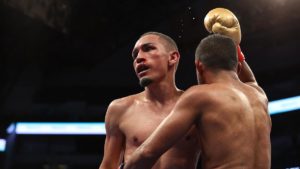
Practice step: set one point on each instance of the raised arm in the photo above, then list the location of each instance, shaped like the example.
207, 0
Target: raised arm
246, 75
173, 128
114, 142
223, 21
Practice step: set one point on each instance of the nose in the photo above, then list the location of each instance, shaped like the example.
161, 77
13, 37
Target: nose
140, 58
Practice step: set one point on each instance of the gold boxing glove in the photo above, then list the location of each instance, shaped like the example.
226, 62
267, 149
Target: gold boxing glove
224, 22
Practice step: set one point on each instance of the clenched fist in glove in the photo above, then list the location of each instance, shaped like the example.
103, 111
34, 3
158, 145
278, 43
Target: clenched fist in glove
224, 22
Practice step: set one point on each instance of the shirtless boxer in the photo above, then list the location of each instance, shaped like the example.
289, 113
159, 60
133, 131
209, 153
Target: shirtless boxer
130, 120
229, 110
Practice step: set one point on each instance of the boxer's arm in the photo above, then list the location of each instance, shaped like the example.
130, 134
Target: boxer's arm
246, 75
173, 128
113, 147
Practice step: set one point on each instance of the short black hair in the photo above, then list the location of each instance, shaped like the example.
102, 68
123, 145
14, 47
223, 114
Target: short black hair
217, 52
170, 43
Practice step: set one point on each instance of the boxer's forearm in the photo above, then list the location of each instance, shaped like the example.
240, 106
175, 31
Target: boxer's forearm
246, 75
140, 160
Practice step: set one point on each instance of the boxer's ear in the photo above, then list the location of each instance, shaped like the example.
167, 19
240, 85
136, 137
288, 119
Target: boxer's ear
199, 66
174, 58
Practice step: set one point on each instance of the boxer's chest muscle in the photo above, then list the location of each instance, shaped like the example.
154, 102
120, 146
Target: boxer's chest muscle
142, 121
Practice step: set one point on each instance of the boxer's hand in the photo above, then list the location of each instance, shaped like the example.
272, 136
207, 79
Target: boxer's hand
224, 22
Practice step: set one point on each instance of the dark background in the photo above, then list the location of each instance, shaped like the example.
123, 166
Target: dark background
65, 61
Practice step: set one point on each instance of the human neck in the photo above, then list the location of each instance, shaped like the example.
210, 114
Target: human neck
220, 77
162, 92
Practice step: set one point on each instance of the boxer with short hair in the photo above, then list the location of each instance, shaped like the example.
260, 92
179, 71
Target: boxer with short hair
130, 120
228, 108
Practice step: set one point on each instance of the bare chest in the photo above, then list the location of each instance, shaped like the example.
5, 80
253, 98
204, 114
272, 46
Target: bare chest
140, 123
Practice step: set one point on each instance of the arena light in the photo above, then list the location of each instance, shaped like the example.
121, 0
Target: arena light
284, 105
58, 128
11, 128
2, 145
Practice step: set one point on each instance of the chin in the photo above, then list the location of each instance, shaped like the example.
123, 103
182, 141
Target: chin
145, 81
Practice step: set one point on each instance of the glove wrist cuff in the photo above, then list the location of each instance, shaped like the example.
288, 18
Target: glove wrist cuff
240, 54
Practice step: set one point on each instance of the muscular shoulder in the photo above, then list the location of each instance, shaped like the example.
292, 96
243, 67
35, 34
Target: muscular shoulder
121, 103
118, 107
204, 90
199, 96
